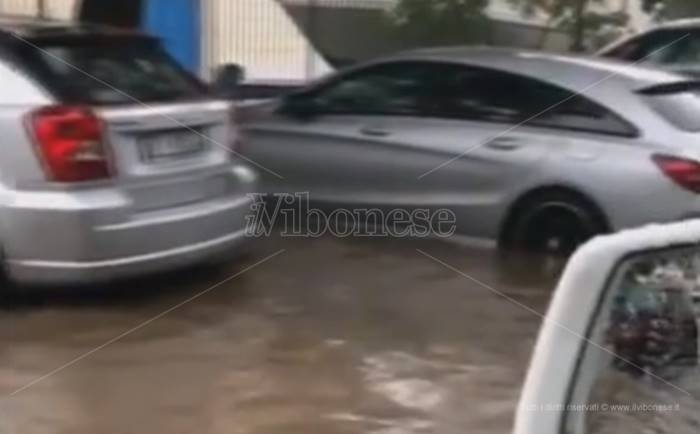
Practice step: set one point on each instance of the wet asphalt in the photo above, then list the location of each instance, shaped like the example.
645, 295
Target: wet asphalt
303, 336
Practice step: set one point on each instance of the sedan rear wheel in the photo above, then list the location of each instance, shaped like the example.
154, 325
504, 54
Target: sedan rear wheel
551, 227
555, 228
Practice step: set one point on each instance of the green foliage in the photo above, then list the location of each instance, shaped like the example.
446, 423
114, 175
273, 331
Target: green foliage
440, 22
573, 16
449, 22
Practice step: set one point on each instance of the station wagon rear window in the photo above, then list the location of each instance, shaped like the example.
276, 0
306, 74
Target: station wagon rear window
111, 71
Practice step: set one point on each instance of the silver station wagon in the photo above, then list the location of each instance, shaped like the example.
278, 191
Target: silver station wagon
115, 161
539, 151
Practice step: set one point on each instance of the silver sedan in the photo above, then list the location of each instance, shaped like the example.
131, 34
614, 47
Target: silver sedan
537, 151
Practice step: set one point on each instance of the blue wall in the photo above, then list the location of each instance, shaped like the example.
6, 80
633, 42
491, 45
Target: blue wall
177, 22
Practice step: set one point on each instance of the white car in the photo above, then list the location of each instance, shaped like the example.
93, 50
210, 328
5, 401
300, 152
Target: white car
115, 161
618, 350
674, 46
538, 151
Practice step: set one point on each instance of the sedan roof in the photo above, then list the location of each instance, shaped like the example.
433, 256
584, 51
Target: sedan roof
574, 72
686, 23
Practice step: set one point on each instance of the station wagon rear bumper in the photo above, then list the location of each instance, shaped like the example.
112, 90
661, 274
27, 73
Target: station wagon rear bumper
96, 236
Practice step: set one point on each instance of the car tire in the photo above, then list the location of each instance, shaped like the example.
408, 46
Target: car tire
7, 287
553, 223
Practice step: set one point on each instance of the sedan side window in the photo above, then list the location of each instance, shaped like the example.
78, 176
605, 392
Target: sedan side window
689, 50
496, 96
660, 46
398, 89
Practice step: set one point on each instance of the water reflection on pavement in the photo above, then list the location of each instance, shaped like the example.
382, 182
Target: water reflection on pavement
332, 336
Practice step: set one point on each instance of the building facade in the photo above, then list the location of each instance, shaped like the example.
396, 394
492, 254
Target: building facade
289, 40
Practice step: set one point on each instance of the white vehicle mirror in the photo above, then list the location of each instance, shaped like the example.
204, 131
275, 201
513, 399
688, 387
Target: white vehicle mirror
618, 351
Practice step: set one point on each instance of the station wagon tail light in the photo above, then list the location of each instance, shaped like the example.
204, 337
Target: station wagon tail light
70, 143
684, 172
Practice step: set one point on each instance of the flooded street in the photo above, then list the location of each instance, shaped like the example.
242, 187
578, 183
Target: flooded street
328, 336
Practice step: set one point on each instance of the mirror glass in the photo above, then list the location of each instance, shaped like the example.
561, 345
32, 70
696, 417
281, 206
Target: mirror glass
639, 368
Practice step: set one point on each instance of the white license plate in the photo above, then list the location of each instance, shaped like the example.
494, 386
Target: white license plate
169, 145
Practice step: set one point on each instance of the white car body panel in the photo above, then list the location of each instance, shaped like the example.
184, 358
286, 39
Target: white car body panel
578, 294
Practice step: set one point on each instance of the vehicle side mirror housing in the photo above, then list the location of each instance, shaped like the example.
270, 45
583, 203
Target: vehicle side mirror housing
227, 79
624, 320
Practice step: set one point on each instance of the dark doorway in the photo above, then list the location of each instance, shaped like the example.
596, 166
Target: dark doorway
121, 13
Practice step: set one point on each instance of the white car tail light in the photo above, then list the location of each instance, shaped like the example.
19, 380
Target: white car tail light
684, 172
70, 141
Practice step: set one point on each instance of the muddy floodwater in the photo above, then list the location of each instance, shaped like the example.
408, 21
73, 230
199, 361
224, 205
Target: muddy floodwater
328, 336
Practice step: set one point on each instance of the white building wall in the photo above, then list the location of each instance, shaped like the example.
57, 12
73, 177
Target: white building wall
55, 9
260, 36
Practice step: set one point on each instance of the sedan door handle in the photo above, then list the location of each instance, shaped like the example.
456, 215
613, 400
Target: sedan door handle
374, 131
504, 144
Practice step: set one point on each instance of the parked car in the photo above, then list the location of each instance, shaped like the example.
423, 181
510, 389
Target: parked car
538, 151
674, 45
597, 369
115, 161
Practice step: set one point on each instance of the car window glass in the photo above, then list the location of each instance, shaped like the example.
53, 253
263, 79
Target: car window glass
648, 378
112, 71
392, 89
487, 95
690, 52
661, 47
624, 51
